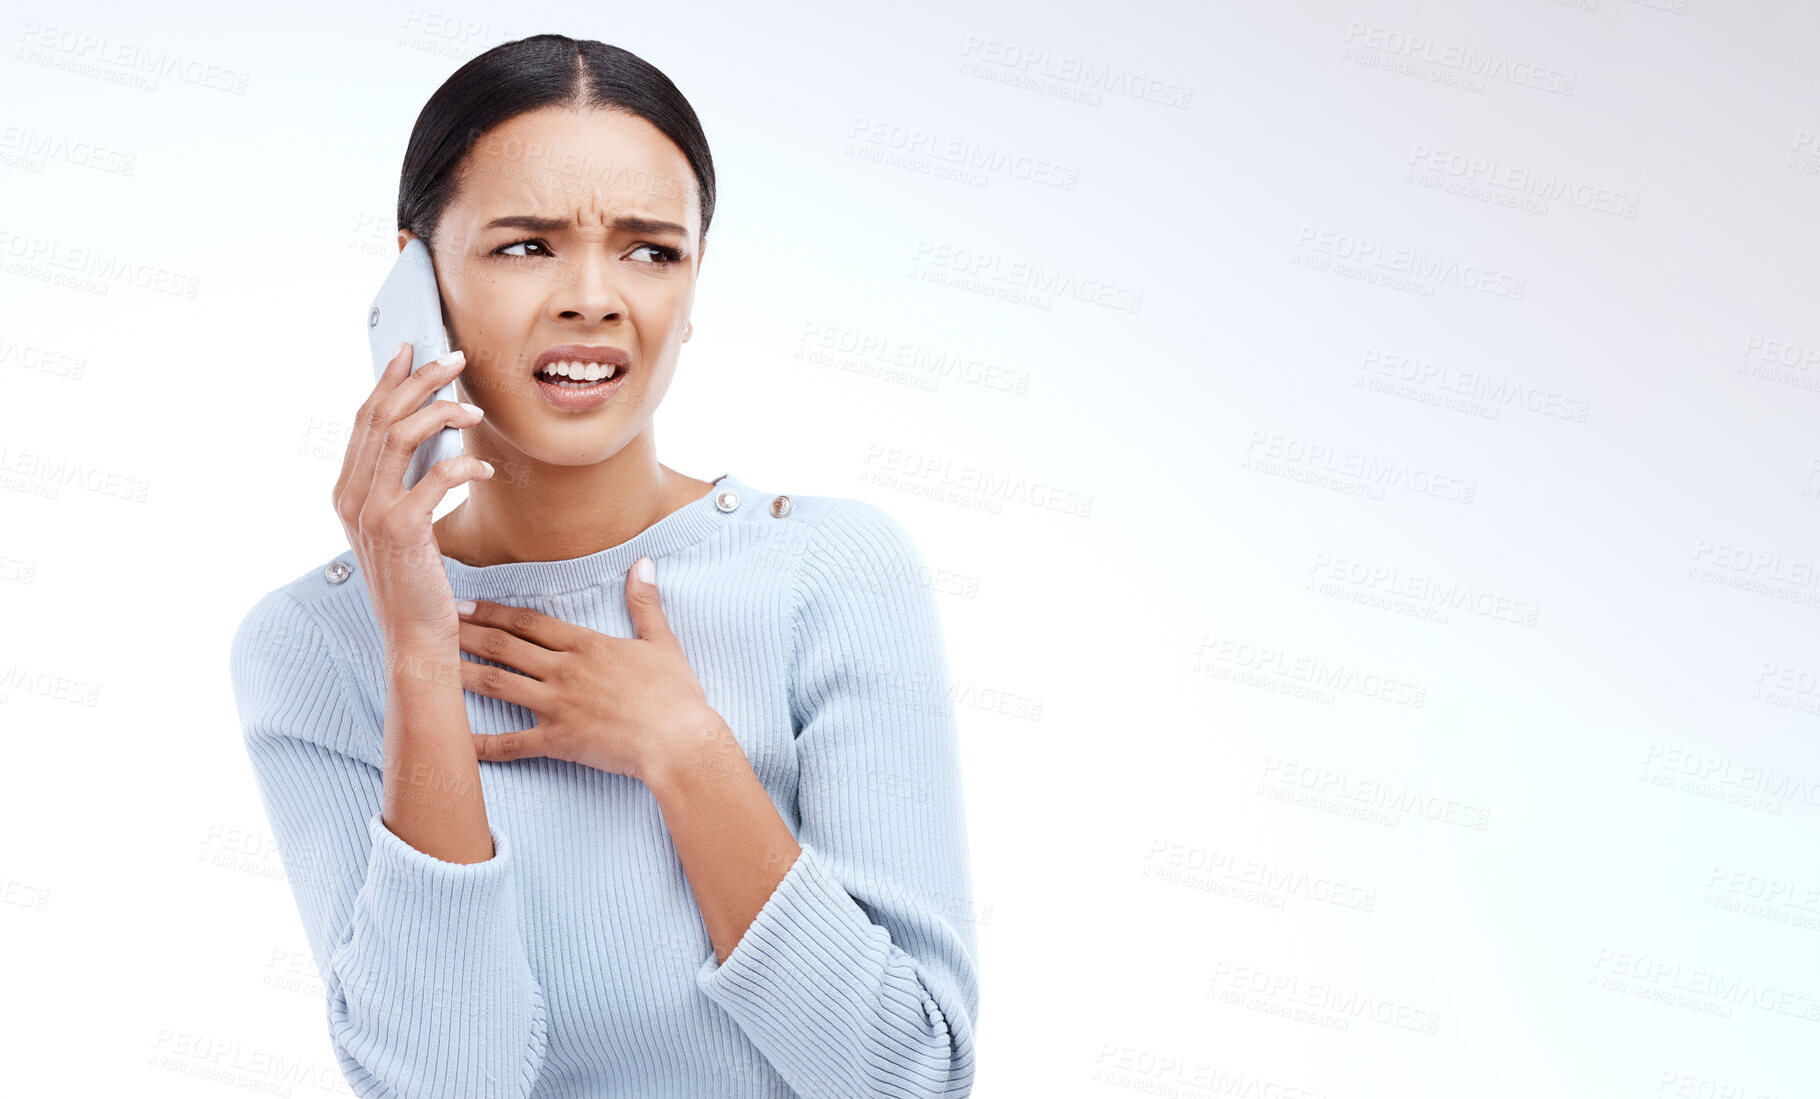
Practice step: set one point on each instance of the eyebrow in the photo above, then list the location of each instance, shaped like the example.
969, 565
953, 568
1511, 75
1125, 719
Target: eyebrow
627, 223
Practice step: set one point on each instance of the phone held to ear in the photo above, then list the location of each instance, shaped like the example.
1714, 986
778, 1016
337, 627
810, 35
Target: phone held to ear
409, 307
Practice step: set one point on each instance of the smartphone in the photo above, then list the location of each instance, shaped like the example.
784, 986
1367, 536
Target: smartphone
409, 307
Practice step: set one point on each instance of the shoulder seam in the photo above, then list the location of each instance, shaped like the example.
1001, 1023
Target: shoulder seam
796, 607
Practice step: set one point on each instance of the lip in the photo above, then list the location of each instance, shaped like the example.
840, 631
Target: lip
581, 399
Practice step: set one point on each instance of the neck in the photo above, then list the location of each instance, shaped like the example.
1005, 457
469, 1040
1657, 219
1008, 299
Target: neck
534, 511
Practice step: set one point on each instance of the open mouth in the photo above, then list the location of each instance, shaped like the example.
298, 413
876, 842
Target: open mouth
578, 375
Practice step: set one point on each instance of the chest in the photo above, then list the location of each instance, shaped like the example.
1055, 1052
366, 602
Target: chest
611, 925
736, 636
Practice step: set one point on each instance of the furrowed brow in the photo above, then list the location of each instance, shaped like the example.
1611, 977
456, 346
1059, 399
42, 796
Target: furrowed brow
627, 223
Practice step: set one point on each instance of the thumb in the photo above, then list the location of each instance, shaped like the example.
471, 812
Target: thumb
642, 601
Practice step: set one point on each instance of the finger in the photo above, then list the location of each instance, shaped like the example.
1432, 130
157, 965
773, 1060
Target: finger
407, 397
506, 648
389, 378
502, 747
505, 685
399, 442
421, 501
534, 626
643, 603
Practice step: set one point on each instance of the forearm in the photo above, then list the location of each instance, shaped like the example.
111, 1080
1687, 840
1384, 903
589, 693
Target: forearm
432, 797
734, 846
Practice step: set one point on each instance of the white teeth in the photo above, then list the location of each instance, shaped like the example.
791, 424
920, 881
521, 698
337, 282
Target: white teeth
580, 371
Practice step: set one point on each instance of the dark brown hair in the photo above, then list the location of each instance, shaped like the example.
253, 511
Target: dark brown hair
512, 78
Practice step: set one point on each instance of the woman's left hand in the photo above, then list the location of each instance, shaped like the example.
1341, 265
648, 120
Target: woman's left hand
620, 704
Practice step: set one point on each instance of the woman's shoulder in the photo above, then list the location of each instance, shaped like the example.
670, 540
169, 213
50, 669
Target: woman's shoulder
299, 613
842, 531
848, 559
865, 614
295, 638
279, 619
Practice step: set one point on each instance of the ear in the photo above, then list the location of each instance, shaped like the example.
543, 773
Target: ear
405, 236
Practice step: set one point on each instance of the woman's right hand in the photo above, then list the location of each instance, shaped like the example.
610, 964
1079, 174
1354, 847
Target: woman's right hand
389, 527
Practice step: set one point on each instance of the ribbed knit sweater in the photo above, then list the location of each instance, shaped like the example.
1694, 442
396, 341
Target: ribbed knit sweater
575, 962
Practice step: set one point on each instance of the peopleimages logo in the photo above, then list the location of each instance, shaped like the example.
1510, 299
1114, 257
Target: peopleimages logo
86, 269
121, 62
1031, 63
1419, 49
1412, 262
991, 267
963, 152
1516, 182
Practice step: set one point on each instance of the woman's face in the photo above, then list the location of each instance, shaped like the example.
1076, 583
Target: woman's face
568, 228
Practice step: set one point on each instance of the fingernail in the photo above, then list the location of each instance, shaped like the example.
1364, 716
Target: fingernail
474, 408
464, 606
452, 357
647, 571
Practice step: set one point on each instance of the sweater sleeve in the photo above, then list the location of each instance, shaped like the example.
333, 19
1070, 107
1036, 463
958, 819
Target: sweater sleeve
859, 976
430, 992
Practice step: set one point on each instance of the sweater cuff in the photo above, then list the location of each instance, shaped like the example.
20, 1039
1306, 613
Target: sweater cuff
417, 909
419, 904
400, 863
809, 943
431, 991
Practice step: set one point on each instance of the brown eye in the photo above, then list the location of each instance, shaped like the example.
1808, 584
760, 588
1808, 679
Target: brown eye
664, 254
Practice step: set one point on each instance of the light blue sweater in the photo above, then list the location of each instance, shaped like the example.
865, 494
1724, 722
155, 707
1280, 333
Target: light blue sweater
574, 962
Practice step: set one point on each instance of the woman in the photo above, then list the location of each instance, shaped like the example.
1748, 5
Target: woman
689, 821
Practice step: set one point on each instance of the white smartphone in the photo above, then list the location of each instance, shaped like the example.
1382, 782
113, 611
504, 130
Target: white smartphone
409, 307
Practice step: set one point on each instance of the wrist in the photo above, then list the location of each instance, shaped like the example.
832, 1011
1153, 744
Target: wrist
421, 638
703, 744
422, 664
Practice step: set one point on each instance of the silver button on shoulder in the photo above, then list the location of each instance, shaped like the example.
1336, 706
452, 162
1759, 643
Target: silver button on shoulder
337, 572
780, 506
727, 500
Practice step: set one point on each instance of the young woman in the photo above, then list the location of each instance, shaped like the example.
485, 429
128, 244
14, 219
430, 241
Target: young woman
686, 818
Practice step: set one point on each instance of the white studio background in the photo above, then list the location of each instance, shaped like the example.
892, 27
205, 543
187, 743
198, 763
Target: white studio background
1366, 453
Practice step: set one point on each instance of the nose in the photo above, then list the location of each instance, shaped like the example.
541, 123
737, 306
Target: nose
592, 291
